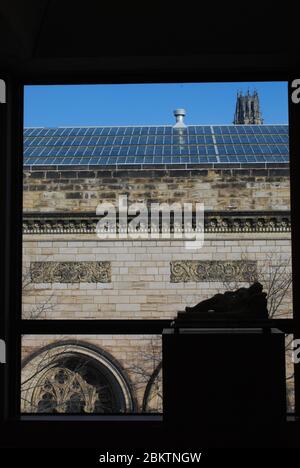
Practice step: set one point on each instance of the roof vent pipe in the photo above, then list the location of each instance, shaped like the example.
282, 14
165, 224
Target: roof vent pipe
179, 115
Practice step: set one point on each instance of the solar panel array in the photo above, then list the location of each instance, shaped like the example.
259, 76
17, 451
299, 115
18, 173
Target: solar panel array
156, 145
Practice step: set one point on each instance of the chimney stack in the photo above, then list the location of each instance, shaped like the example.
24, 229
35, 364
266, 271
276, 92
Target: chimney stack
179, 115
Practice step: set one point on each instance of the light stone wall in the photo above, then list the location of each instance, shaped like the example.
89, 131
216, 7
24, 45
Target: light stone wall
140, 284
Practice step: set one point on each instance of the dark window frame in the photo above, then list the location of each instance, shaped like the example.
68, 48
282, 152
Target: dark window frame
11, 143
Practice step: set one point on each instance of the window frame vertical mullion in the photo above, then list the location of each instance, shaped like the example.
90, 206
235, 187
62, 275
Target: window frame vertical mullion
294, 147
12, 176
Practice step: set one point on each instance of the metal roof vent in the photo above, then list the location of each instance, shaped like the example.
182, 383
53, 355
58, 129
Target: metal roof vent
179, 115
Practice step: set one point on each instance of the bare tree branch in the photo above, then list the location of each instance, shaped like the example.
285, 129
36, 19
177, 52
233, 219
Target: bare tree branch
40, 310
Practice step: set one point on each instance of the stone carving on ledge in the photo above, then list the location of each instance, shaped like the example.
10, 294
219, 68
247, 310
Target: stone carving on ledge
214, 222
183, 271
250, 303
70, 272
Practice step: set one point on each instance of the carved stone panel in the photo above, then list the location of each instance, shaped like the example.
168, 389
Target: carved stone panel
70, 272
183, 271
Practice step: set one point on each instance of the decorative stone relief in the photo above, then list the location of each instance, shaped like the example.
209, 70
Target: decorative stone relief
70, 272
183, 271
56, 223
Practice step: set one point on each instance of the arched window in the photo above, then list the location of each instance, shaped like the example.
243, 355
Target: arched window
73, 378
153, 397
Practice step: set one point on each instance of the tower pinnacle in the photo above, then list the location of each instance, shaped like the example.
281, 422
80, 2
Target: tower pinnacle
247, 111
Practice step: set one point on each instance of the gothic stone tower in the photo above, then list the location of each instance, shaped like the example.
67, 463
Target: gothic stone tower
247, 109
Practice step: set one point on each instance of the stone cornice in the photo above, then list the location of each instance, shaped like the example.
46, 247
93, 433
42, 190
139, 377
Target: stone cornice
32, 174
214, 221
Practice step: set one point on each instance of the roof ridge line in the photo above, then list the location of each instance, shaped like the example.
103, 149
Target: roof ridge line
171, 126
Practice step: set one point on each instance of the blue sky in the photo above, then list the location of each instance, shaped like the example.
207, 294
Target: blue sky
147, 104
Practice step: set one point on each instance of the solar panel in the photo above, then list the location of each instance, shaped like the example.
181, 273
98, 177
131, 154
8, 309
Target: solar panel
156, 145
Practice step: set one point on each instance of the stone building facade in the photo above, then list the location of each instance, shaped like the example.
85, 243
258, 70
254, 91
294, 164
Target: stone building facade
112, 373
69, 273
246, 221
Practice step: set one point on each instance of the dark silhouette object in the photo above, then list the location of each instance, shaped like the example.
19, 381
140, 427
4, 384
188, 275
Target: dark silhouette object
224, 378
243, 303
